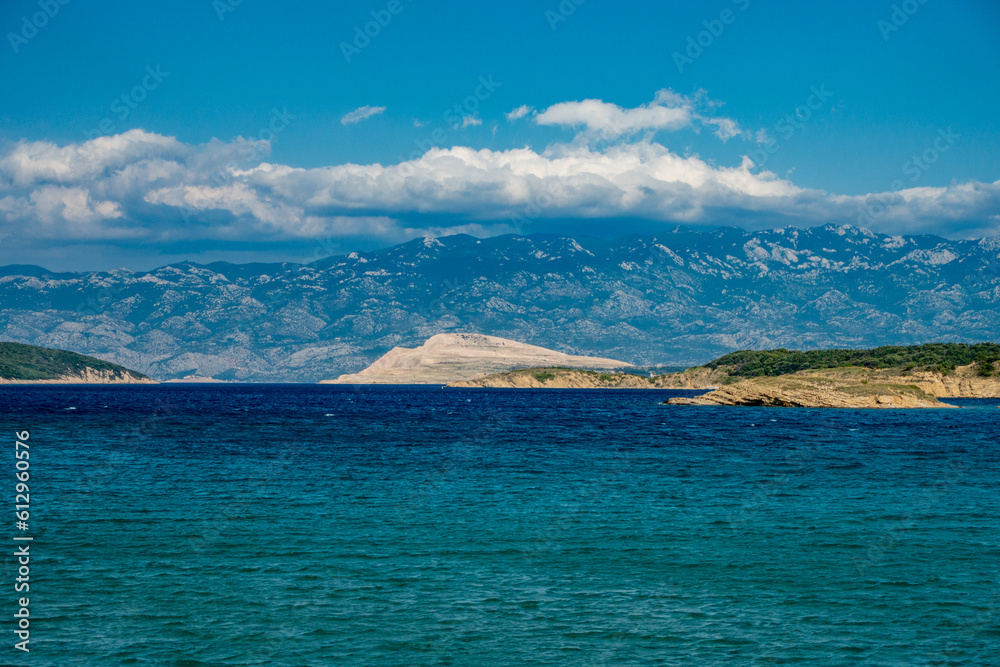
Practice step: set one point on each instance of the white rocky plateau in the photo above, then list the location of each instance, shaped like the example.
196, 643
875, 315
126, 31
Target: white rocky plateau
456, 357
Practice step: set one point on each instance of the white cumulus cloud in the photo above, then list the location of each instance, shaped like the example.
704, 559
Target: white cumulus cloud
669, 111
519, 112
141, 188
360, 114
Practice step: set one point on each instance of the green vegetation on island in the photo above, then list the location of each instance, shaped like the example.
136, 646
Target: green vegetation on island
941, 358
556, 377
27, 363
912, 376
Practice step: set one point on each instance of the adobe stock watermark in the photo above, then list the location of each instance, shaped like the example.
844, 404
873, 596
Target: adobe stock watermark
915, 168
927, 499
696, 44
223, 7
106, 297
89, 485
223, 176
22, 507
455, 118
901, 13
364, 34
239, 507
555, 191
772, 486
562, 12
123, 105
985, 278
30, 25
792, 123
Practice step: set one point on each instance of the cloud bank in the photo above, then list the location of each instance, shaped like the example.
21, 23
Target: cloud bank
144, 188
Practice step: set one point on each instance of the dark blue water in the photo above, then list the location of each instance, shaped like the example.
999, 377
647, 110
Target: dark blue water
326, 525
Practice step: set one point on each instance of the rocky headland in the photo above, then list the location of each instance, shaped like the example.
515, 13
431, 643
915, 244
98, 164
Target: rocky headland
28, 364
852, 387
807, 389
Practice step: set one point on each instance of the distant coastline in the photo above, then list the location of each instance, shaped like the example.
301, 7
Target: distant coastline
914, 376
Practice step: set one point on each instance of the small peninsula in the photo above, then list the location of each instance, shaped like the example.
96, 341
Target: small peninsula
28, 364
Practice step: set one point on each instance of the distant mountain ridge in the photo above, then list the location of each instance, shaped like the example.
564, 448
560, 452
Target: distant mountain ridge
680, 298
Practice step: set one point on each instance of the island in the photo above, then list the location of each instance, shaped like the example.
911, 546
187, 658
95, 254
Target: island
914, 376
575, 378
457, 357
28, 364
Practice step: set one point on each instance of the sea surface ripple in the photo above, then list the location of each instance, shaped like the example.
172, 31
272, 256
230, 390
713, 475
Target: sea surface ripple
291, 525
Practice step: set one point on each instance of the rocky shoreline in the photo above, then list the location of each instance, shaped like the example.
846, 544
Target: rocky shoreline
851, 388
89, 376
800, 392
847, 387
574, 378
559, 378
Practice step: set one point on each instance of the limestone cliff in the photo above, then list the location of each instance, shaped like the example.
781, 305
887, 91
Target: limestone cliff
964, 382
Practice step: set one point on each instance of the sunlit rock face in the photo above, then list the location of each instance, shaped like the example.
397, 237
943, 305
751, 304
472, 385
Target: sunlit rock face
446, 358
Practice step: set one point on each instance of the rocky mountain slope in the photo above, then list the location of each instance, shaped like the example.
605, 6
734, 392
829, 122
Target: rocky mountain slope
28, 364
448, 358
681, 298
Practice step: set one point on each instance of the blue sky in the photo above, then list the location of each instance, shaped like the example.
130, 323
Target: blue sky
125, 128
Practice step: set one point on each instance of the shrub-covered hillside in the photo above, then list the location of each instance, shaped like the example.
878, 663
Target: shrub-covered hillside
27, 362
939, 357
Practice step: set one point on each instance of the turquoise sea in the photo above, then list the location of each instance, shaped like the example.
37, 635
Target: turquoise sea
327, 525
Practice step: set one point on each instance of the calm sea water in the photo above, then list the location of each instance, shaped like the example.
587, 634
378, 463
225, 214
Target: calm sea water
307, 525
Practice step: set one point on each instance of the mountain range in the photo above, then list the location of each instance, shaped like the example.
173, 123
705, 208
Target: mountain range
680, 298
